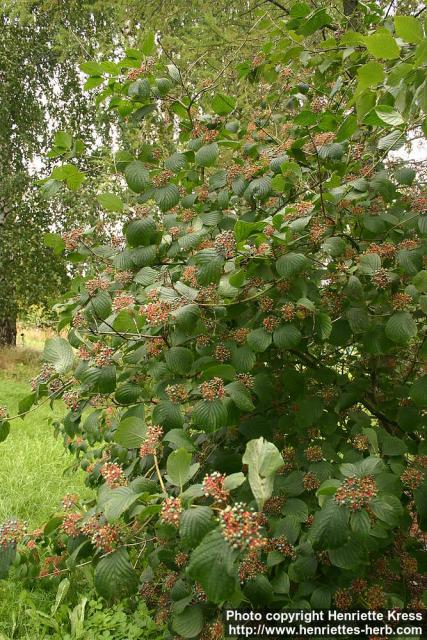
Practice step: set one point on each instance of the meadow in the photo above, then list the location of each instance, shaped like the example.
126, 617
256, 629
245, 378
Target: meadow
32, 477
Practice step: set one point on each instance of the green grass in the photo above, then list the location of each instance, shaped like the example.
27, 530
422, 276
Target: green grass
32, 480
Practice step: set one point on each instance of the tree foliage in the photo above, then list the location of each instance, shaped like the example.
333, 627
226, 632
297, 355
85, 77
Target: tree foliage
247, 388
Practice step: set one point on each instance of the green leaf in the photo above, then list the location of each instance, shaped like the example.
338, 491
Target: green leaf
106, 382
387, 508
115, 577
141, 232
382, 45
418, 392
91, 68
137, 176
314, 22
296, 508
240, 396
26, 403
189, 622
118, 501
405, 175
233, 481
179, 360
4, 430
167, 197
389, 116
59, 353
321, 598
131, 432
370, 74
179, 467
291, 264
7, 556
346, 557
110, 202
259, 340
222, 104
330, 528
211, 564
401, 327
323, 326
175, 162
180, 439
409, 29
360, 522
207, 155
263, 460
55, 242
148, 46
243, 229
210, 415
393, 446
168, 415
195, 524
420, 281
287, 337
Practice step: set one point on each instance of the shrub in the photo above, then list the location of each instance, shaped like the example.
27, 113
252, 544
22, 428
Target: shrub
248, 392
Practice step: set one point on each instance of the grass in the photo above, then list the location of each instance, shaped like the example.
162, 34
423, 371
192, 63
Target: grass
32, 479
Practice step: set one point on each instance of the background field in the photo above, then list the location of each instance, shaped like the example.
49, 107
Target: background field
32, 478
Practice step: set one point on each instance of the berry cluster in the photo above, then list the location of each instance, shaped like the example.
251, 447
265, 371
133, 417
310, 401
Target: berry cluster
3, 413
189, 276
412, 478
152, 441
381, 278
106, 537
124, 277
343, 599
288, 311
102, 354
314, 454
177, 393
222, 354
239, 335
375, 597
71, 238
400, 301
284, 547
171, 511
71, 400
385, 249
97, 284
311, 481
361, 442
240, 527
274, 505
161, 179
71, 525
212, 389
213, 487
246, 379
155, 347
356, 493
70, 500
225, 244
11, 532
46, 372
113, 475
123, 300
270, 323
251, 567
156, 312
181, 559
266, 304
